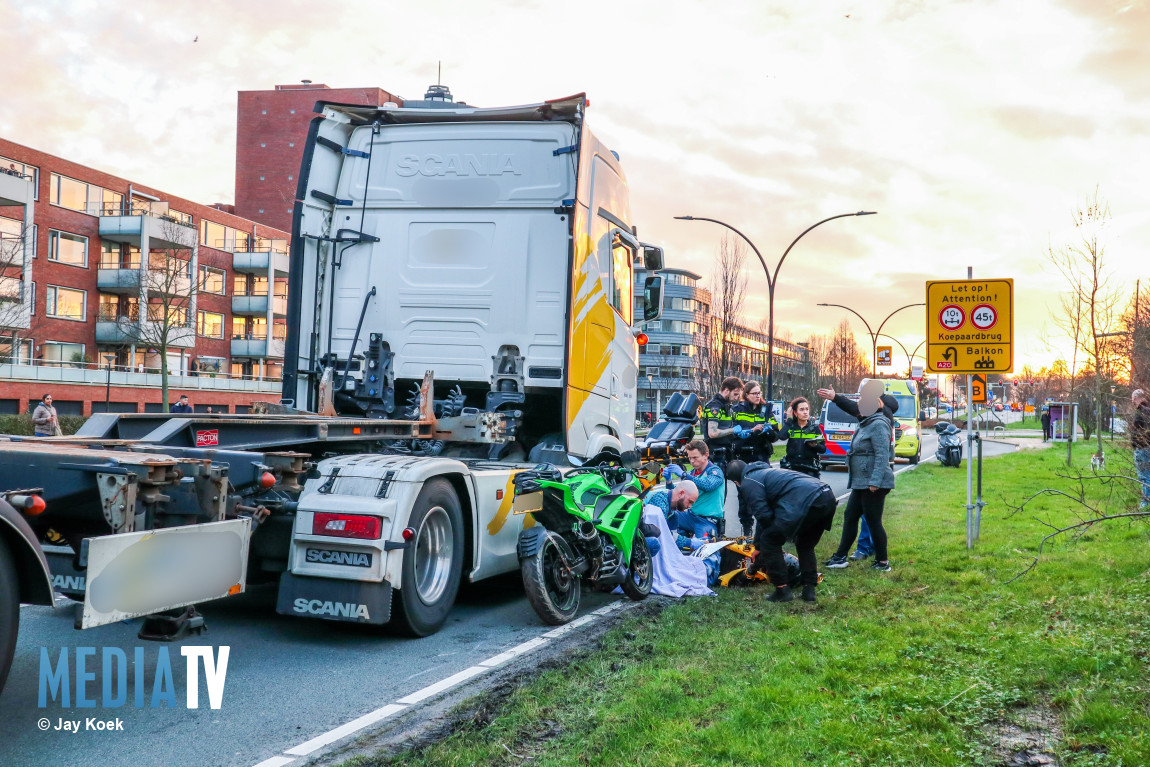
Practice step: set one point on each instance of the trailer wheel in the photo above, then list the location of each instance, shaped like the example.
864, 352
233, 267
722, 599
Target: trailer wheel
9, 611
433, 562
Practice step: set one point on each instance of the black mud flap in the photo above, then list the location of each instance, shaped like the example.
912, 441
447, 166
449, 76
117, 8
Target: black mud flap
66, 578
530, 540
334, 600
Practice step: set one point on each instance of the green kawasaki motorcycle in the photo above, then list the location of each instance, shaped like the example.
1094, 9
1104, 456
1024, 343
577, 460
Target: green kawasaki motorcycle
588, 527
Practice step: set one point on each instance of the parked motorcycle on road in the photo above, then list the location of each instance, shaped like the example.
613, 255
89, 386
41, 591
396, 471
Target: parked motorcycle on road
588, 527
949, 450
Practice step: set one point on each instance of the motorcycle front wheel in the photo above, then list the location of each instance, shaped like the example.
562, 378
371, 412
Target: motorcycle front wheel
641, 570
552, 589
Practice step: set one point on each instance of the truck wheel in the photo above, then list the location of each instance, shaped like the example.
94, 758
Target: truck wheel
9, 611
552, 590
433, 562
641, 571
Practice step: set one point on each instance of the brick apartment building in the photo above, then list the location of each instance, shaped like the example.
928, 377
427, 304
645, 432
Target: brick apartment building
271, 129
89, 265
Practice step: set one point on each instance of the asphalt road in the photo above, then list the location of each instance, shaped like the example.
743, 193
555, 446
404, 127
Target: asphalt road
288, 680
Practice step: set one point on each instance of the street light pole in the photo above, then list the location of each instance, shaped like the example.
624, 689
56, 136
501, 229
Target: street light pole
772, 279
874, 333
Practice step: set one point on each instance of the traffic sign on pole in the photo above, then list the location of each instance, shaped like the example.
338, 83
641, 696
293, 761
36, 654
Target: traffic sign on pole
970, 326
884, 353
916, 372
978, 389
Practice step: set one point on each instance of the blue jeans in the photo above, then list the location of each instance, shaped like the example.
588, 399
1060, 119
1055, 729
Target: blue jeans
865, 544
1142, 464
692, 525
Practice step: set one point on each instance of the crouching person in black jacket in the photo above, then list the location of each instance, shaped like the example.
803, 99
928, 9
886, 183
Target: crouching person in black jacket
787, 506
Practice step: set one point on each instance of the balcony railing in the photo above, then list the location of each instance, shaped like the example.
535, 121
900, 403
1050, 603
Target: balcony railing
97, 374
175, 217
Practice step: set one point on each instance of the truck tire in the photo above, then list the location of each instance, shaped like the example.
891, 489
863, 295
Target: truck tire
641, 571
9, 611
434, 561
553, 594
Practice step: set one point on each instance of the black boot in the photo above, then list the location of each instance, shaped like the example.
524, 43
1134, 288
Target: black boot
809, 594
782, 594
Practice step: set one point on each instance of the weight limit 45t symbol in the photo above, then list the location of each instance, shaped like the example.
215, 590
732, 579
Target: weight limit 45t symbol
984, 317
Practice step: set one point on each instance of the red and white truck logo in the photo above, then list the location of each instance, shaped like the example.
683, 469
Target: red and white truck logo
207, 438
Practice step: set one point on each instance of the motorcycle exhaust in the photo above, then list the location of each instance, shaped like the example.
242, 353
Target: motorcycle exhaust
589, 539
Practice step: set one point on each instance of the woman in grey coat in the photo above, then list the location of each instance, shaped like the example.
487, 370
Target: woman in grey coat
45, 423
871, 477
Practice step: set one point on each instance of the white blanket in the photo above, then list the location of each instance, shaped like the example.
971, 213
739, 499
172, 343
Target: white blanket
676, 574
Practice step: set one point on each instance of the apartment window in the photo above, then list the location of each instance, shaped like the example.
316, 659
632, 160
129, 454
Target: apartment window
16, 351
180, 218
652, 370
210, 325
212, 280
60, 351
68, 193
10, 288
7, 164
67, 248
65, 303
177, 315
210, 364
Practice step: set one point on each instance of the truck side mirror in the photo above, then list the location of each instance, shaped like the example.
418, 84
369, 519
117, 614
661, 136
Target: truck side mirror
652, 298
652, 257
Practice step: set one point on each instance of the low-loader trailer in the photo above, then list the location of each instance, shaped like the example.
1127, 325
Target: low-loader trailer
461, 307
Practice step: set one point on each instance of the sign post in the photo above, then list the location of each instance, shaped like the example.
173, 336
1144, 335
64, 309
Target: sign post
970, 329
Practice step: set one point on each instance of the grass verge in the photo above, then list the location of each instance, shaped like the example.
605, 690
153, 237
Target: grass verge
925, 665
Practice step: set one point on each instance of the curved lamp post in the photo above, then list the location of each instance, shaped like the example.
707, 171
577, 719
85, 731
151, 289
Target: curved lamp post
772, 279
874, 334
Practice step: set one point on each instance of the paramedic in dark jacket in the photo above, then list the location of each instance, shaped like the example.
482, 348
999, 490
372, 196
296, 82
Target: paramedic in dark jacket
787, 506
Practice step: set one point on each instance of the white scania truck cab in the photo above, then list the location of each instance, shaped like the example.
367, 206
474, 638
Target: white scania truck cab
490, 251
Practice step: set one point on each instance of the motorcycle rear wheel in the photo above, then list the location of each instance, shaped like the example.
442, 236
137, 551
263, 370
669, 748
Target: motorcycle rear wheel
552, 590
640, 571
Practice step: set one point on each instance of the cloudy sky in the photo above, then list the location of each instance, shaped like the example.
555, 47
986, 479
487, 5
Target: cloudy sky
973, 128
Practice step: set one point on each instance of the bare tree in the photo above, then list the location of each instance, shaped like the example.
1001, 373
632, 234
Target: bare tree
1090, 308
729, 293
166, 309
838, 360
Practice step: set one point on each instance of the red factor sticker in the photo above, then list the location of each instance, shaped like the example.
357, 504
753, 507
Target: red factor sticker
207, 438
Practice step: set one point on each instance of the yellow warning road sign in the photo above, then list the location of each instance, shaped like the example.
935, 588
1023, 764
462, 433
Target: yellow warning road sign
978, 389
970, 326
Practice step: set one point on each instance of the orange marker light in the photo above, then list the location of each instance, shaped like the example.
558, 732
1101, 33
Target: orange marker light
36, 506
641, 339
267, 480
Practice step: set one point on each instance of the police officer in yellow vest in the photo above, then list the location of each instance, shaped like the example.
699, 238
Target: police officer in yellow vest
719, 420
756, 427
805, 442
